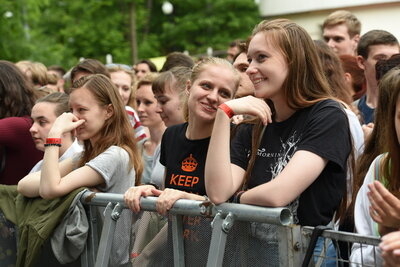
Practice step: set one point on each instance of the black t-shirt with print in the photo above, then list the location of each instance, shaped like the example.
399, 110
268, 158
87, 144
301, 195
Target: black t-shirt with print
322, 129
184, 160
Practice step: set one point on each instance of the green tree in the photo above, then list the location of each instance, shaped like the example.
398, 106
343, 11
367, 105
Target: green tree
62, 31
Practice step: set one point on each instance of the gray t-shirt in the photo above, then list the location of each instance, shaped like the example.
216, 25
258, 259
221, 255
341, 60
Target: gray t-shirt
157, 174
113, 166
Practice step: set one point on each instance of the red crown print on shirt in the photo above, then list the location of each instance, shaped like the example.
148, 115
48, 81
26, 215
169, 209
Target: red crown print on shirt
189, 164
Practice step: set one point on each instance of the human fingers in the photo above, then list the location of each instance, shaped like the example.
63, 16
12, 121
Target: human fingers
132, 197
161, 204
390, 241
156, 192
376, 204
129, 198
375, 215
167, 200
252, 106
389, 198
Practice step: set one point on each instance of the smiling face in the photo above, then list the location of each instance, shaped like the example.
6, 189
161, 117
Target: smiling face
147, 106
169, 105
85, 106
268, 68
338, 39
214, 85
122, 81
43, 116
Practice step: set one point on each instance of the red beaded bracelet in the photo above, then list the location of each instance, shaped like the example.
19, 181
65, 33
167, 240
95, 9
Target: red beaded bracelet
228, 111
53, 142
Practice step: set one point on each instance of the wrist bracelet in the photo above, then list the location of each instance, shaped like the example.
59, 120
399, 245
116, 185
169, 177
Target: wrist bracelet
228, 111
53, 141
237, 196
46, 145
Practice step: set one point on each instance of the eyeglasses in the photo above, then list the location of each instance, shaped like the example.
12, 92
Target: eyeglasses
116, 65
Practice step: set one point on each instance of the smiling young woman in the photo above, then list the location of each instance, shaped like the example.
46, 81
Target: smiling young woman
296, 153
213, 81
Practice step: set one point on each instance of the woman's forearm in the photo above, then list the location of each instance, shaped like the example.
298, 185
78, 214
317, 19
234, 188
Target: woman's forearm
50, 175
29, 185
218, 174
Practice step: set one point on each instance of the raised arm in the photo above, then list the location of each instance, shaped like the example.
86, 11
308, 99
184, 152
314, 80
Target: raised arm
222, 178
51, 184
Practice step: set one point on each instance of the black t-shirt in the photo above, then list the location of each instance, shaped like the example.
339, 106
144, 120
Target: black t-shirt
184, 160
322, 129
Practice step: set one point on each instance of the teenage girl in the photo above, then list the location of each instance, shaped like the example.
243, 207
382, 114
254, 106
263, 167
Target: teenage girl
110, 161
184, 146
296, 153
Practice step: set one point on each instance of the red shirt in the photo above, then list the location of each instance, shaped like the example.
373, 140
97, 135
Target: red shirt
20, 151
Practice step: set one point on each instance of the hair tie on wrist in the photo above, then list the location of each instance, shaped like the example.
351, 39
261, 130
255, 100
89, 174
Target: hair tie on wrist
53, 142
228, 111
236, 197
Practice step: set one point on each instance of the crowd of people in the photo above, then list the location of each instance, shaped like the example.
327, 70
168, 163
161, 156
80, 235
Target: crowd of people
284, 120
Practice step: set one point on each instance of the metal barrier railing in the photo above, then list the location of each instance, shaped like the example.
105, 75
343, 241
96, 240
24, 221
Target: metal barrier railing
293, 239
224, 216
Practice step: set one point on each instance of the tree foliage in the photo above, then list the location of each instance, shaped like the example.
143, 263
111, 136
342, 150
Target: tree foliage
62, 31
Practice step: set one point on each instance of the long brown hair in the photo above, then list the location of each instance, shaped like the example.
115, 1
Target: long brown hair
334, 72
305, 84
391, 164
117, 130
376, 143
17, 95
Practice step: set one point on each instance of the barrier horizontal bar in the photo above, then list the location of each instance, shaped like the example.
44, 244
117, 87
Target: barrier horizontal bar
242, 212
345, 236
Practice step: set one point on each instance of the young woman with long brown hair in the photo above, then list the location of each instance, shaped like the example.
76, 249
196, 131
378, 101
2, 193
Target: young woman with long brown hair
296, 153
110, 161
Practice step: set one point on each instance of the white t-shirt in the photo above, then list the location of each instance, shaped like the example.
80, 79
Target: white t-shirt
75, 148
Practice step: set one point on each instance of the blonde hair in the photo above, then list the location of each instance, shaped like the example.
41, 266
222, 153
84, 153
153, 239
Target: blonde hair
343, 17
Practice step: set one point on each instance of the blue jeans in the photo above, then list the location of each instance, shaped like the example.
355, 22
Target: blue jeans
329, 255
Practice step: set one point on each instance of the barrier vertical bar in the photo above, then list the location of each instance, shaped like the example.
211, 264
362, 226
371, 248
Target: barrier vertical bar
88, 256
290, 246
220, 231
177, 239
112, 214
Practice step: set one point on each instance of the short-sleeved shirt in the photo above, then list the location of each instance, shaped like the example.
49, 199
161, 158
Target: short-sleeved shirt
322, 129
184, 160
113, 166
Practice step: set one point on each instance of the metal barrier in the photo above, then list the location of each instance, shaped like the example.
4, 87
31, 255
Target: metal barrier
347, 239
293, 239
224, 217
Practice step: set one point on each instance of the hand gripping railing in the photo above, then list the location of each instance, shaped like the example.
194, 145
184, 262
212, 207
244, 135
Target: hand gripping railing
224, 217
